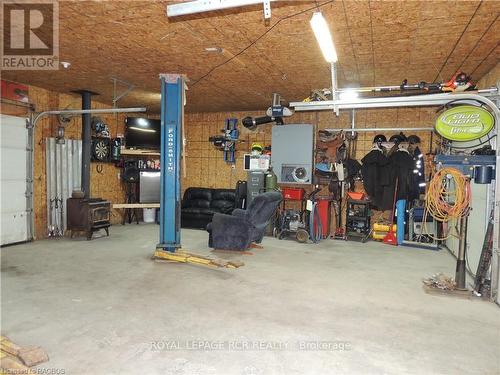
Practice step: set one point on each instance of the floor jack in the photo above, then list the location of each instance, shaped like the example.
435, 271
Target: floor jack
172, 116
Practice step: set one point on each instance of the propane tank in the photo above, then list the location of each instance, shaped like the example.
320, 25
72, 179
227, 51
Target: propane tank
271, 180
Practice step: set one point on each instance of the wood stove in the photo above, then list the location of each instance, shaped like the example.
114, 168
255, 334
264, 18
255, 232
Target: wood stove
88, 215
85, 214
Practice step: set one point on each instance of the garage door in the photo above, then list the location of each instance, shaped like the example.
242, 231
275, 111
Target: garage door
13, 139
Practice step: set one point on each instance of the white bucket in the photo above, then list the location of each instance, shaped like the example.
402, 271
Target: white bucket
148, 215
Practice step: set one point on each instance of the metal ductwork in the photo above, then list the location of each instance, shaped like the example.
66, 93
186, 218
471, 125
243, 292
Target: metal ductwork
251, 123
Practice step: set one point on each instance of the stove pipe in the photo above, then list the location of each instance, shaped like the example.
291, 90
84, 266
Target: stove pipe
86, 140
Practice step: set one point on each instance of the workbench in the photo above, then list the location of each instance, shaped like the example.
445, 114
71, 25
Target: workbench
136, 205
133, 206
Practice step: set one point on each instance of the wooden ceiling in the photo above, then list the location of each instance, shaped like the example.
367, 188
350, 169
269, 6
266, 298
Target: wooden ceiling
378, 43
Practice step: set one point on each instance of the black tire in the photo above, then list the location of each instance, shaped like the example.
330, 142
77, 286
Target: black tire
302, 236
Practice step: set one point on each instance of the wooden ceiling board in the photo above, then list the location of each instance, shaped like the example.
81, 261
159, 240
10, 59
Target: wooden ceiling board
399, 12
358, 13
484, 66
377, 42
446, 9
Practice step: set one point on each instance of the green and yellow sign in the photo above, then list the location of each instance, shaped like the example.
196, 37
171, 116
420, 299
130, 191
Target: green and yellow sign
465, 123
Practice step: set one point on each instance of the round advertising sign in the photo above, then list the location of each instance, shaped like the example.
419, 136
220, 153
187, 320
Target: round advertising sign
465, 123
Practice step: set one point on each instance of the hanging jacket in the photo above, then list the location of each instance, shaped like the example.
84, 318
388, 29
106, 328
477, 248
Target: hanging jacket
400, 166
375, 175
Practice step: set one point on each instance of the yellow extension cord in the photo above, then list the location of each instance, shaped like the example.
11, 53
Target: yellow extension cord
445, 204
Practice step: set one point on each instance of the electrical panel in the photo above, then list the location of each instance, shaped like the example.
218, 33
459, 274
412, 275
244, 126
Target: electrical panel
292, 153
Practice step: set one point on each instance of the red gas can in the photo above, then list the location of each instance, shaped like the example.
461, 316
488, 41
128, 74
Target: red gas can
293, 194
324, 209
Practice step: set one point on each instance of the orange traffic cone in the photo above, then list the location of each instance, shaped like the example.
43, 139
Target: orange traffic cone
390, 238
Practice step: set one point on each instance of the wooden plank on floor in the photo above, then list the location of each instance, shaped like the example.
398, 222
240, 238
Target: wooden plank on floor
8, 346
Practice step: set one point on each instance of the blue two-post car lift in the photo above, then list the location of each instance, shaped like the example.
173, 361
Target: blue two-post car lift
172, 118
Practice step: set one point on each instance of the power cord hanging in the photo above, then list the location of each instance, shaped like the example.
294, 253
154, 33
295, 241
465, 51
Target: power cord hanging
443, 202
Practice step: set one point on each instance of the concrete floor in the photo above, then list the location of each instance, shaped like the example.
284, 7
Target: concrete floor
105, 307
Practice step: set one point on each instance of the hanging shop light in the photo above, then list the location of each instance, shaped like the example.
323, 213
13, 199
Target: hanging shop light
348, 95
324, 37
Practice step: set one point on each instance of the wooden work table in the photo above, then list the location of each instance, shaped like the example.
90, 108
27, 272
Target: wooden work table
129, 210
136, 205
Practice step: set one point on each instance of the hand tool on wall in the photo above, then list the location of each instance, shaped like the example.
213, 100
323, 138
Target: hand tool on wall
227, 141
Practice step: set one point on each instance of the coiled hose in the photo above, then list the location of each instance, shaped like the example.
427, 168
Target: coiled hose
448, 197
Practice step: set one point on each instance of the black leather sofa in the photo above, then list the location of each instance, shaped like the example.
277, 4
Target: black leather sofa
200, 204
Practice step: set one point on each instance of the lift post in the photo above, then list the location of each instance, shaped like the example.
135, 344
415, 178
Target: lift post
172, 121
172, 115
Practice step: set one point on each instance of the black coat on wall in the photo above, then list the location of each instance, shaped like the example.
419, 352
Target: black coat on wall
375, 176
400, 168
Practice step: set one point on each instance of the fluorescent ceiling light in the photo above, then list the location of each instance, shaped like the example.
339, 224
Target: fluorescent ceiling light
201, 6
324, 37
214, 49
142, 129
348, 95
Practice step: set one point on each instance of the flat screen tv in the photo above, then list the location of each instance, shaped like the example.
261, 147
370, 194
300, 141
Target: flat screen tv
142, 133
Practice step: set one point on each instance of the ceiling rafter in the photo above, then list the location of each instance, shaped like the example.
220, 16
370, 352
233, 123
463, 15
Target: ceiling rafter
458, 40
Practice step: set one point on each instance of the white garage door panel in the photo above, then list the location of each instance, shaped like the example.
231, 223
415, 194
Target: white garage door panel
13, 164
13, 139
11, 199
17, 225
14, 134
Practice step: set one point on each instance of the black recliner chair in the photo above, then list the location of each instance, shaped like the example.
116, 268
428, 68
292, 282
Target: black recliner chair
238, 230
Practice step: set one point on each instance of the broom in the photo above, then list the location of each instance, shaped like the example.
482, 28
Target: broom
390, 237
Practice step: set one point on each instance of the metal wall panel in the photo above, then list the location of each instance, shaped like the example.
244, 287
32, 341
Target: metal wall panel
478, 221
292, 152
63, 168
